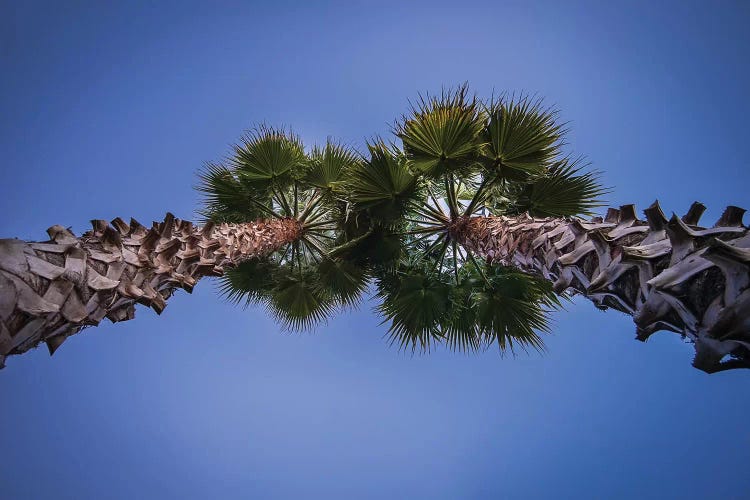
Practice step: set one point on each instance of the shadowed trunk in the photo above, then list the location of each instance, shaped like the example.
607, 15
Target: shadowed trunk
668, 274
51, 290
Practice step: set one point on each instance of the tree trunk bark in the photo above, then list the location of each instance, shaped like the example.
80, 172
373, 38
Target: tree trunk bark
51, 290
668, 274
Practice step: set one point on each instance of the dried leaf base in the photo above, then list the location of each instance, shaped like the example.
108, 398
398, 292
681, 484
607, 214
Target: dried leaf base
668, 274
51, 290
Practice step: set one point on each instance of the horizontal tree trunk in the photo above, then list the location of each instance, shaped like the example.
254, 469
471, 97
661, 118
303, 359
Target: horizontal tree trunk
51, 290
668, 274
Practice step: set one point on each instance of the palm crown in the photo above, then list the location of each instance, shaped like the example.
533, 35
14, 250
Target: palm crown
269, 174
471, 158
394, 217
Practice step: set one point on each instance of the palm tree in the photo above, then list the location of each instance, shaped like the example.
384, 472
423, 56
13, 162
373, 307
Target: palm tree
490, 221
269, 197
471, 231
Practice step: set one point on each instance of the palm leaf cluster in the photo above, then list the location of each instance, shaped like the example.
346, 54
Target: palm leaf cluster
489, 305
473, 158
269, 174
394, 218
298, 297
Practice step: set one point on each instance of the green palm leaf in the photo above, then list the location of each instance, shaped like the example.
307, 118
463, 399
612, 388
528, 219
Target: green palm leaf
382, 186
269, 158
341, 281
415, 302
377, 246
226, 199
329, 165
249, 283
566, 190
459, 327
491, 305
511, 308
521, 138
297, 301
441, 134
298, 293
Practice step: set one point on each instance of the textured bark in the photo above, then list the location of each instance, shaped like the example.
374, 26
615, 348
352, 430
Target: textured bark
668, 274
51, 290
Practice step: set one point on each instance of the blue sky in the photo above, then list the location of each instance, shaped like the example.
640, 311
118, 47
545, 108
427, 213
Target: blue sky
109, 111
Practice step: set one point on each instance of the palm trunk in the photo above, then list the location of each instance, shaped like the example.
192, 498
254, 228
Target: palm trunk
667, 274
51, 290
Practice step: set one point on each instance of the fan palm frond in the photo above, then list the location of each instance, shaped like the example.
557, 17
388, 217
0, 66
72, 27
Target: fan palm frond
459, 327
565, 190
441, 133
415, 302
521, 137
379, 247
297, 301
329, 165
226, 199
383, 186
342, 281
250, 282
269, 158
512, 308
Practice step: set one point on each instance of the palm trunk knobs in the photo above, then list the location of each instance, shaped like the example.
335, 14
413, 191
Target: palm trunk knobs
53, 289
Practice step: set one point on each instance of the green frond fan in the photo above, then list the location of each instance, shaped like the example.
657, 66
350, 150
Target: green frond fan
269, 158
511, 308
490, 305
341, 281
297, 301
250, 283
565, 190
383, 186
227, 199
329, 165
259, 180
297, 292
269, 175
459, 327
367, 243
442, 134
521, 138
415, 301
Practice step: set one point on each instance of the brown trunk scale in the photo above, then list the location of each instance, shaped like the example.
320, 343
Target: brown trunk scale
53, 289
668, 274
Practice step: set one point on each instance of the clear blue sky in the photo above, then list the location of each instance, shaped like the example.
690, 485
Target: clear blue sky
109, 110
